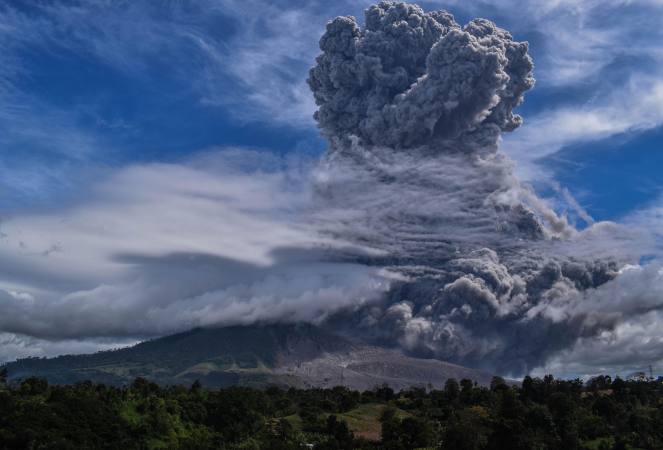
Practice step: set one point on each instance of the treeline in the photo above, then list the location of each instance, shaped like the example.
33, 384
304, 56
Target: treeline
539, 414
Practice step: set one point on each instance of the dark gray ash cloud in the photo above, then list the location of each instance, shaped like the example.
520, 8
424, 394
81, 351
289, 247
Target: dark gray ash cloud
413, 105
410, 78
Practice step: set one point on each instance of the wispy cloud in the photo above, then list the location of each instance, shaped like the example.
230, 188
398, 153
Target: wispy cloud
234, 56
635, 106
13, 346
602, 63
268, 57
159, 248
252, 56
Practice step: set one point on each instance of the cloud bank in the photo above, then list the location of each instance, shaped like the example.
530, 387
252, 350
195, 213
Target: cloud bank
412, 231
218, 239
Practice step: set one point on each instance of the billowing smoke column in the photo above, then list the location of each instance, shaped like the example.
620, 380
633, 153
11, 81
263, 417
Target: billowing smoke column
410, 79
413, 106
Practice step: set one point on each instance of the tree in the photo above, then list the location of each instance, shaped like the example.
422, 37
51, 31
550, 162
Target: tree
452, 389
385, 393
34, 386
339, 432
528, 388
390, 428
416, 432
498, 384
466, 430
3, 376
196, 386
466, 385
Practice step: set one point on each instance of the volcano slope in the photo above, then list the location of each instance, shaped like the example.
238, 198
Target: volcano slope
263, 355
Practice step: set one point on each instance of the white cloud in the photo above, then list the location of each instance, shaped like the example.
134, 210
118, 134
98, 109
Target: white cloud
248, 55
158, 248
635, 107
13, 346
631, 310
269, 58
155, 209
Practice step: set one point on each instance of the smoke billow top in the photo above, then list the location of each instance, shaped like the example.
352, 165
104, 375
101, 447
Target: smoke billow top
411, 79
413, 105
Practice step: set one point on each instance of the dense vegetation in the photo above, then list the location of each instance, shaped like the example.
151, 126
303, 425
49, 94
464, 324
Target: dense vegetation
539, 414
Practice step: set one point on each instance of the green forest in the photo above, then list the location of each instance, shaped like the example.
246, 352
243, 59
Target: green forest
537, 414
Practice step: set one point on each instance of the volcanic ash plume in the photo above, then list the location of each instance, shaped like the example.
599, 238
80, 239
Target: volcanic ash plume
413, 106
411, 79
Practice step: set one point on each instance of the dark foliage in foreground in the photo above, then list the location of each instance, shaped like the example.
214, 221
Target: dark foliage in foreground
540, 414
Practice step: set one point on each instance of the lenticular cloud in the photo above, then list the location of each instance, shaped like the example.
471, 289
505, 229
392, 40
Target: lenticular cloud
413, 105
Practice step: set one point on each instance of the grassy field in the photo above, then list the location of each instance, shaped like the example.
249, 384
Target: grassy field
363, 421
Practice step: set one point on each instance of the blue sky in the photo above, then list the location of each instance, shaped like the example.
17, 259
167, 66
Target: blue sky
112, 114
88, 87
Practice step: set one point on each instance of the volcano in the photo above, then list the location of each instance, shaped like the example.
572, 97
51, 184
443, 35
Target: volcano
301, 356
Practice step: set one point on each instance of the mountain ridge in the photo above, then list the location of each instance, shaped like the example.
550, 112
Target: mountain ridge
298, 355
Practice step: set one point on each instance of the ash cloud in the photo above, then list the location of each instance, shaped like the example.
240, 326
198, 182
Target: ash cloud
413, 105
412, 231
410, 78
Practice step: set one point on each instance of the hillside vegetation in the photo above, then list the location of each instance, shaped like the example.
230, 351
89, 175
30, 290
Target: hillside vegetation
540, 414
